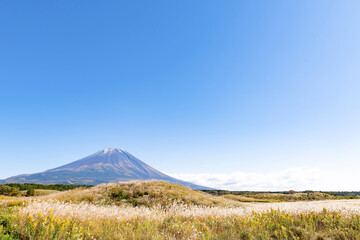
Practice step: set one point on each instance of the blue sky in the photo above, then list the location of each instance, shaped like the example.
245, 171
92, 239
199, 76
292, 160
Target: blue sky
190, 87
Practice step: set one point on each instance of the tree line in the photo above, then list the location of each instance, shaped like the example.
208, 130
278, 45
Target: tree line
14, 189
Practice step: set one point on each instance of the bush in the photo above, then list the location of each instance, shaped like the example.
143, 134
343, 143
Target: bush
30, 192
8, 191
5, 190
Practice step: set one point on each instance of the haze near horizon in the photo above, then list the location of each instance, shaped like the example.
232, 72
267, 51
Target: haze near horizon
233, 95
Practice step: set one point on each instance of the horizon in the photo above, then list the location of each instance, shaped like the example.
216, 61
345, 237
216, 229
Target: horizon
215, 184
237, 95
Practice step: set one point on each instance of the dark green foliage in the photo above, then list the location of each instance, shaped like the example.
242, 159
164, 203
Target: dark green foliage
309, 194
28, 186
30, 192
5, 190
8, 191
344, 194
118, 194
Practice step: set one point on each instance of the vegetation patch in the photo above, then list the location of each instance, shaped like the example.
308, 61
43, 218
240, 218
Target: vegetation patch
285, 196
57, 187
273, 224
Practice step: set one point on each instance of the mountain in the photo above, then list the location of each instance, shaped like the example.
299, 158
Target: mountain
108, 165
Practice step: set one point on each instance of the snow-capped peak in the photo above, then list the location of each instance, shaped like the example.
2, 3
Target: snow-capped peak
112, 150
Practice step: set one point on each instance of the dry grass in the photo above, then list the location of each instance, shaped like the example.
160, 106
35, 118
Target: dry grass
44, 192
277, 197
84, 211
87, 221
350, 206
147, 193
241, 198
160, 210
40, 192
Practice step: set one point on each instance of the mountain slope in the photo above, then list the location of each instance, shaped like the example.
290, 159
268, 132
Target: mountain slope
108, 165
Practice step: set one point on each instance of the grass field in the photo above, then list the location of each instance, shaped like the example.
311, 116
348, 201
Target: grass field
160, 210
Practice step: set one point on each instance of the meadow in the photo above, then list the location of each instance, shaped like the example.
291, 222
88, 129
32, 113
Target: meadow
160, 210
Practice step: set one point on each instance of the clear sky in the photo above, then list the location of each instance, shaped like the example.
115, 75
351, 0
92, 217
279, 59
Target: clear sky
236, 91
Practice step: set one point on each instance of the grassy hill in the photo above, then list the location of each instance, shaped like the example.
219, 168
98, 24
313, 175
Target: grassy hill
146, 193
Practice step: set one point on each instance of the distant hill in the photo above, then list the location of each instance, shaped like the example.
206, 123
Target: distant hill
110, 165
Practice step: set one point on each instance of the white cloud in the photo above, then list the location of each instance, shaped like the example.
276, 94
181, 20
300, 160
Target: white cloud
288, 179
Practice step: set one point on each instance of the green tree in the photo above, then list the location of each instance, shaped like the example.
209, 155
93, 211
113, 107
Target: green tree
5, 190
30, 192
9, 191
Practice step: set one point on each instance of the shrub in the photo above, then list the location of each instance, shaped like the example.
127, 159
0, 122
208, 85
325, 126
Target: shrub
5, 190
30, 192
8, 191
